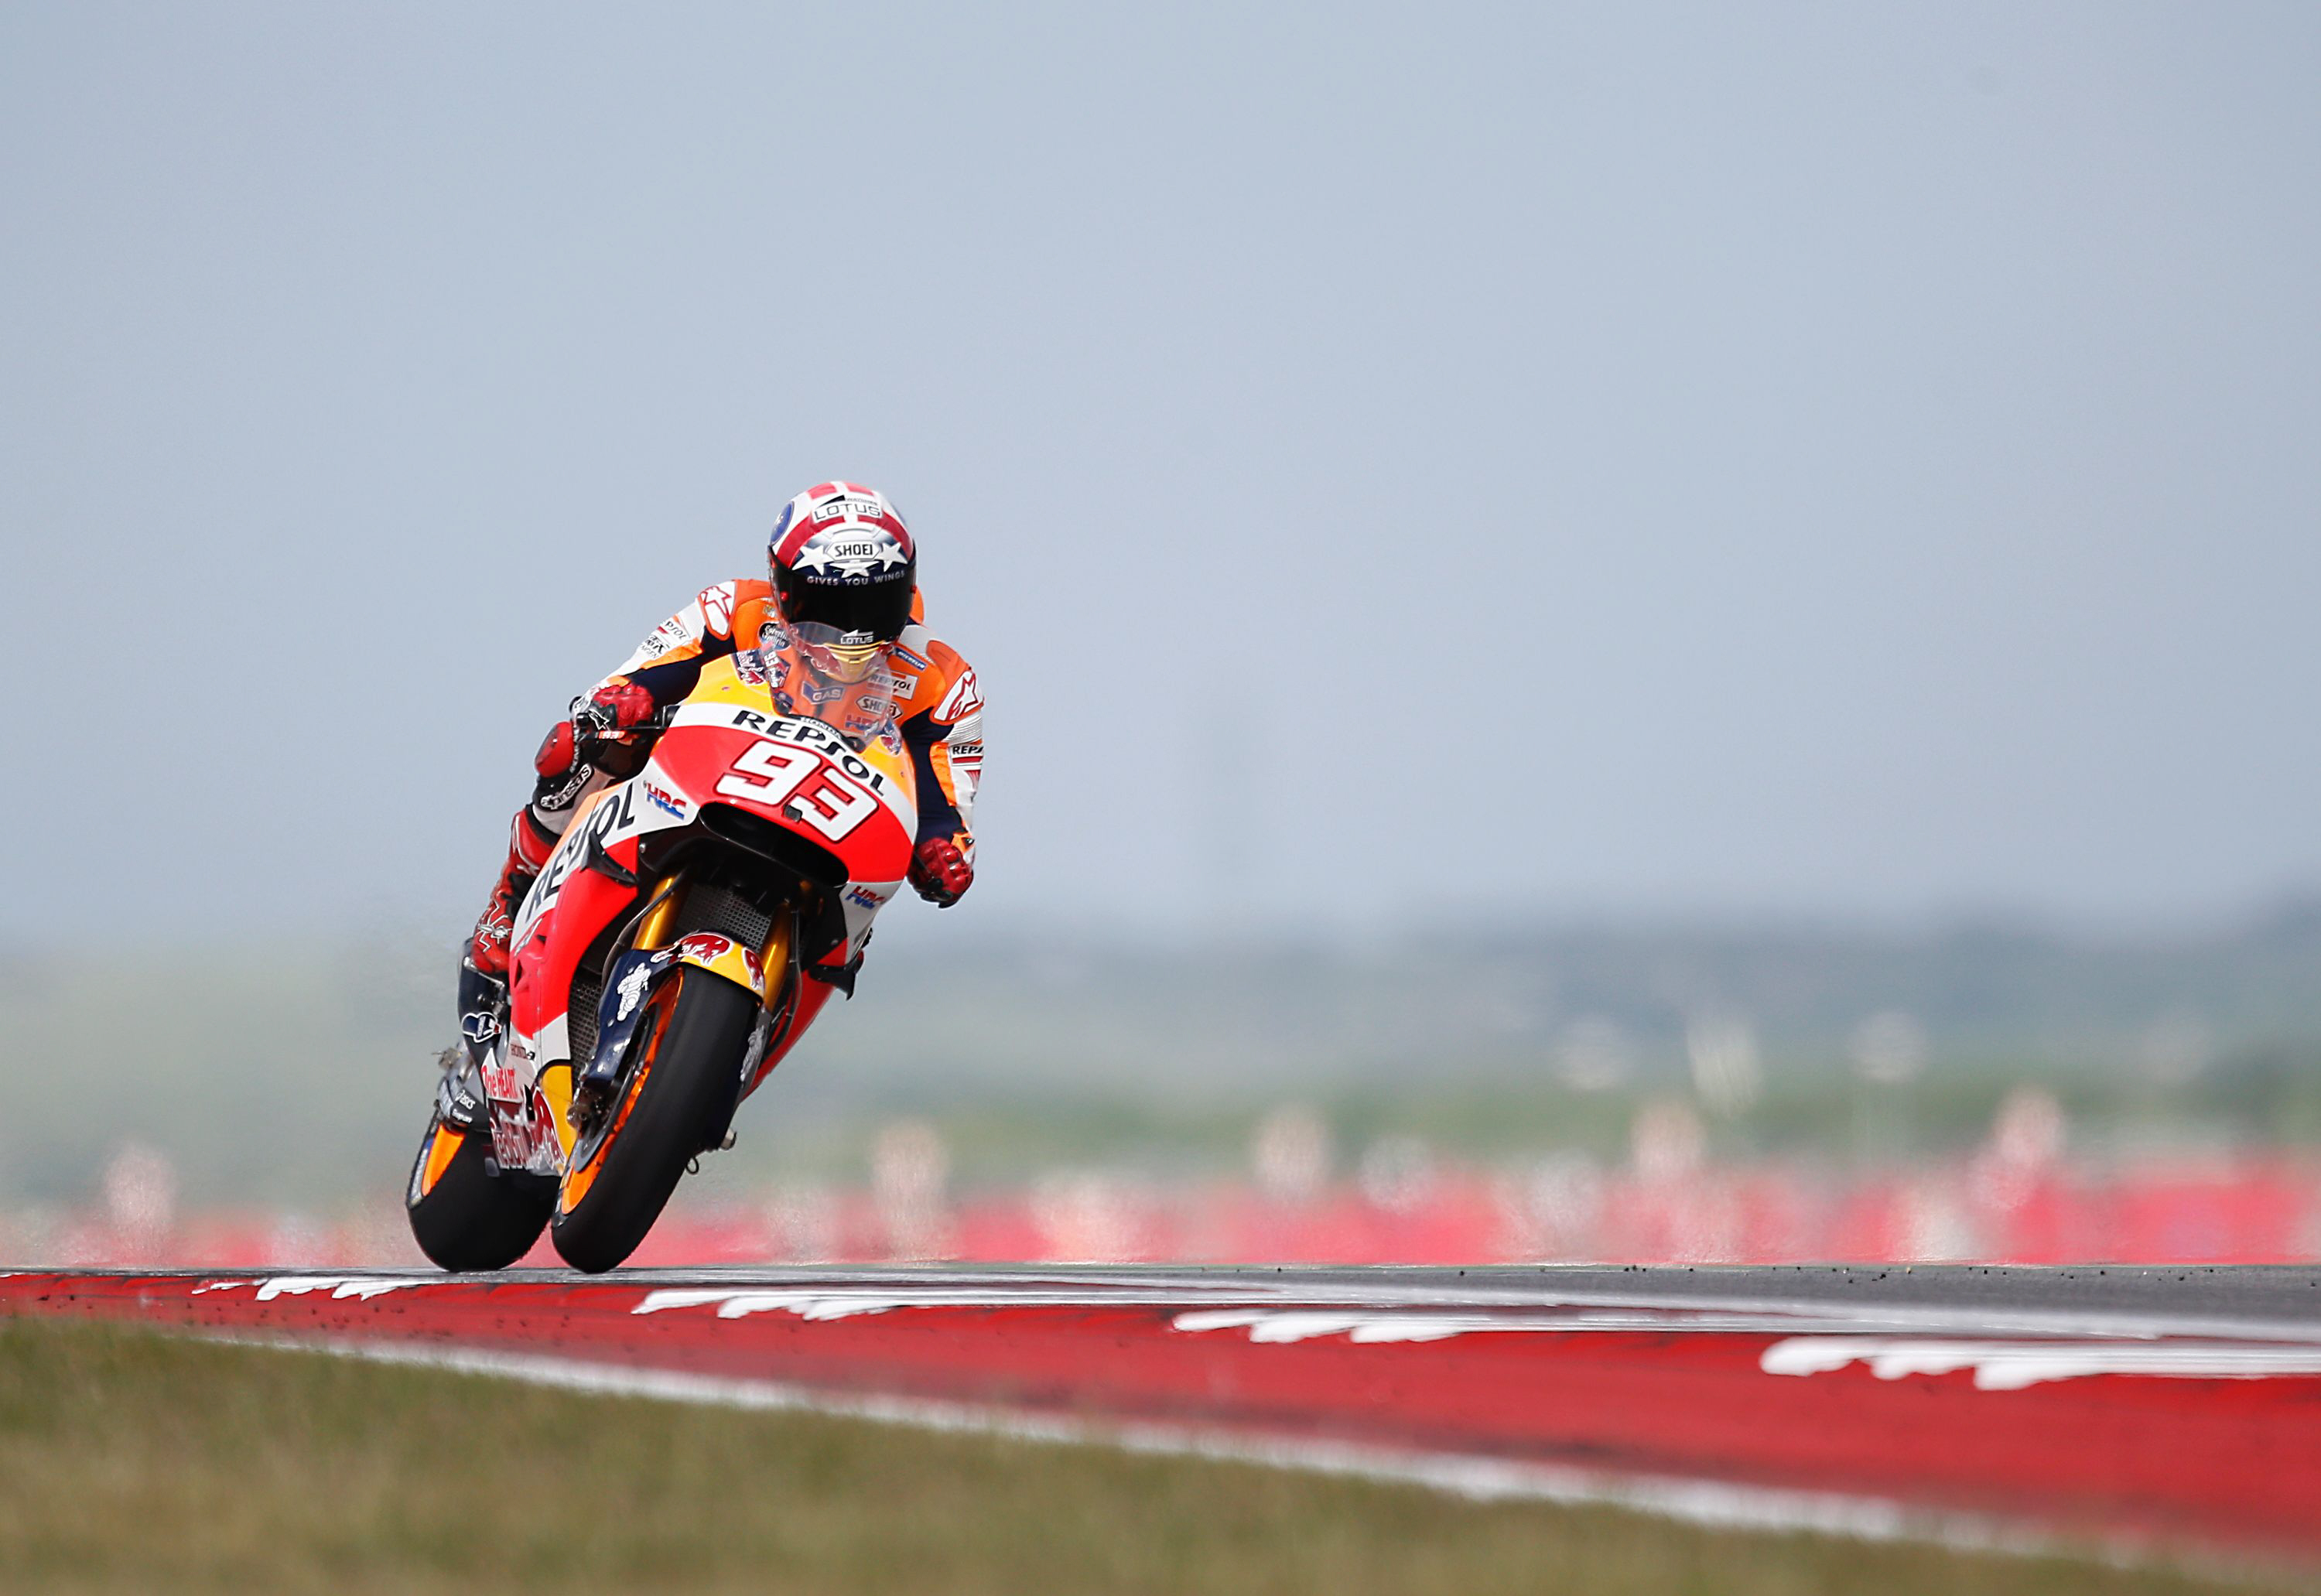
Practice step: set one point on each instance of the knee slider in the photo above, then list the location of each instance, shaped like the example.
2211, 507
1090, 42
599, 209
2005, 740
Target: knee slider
557, 750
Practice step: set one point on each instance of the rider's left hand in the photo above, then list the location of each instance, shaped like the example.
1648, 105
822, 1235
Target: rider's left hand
943, 870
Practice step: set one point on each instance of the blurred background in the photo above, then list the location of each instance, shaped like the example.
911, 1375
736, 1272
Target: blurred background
1627, 634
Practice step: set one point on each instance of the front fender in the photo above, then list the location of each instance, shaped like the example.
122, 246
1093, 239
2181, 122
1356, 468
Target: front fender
722, 955
635, 975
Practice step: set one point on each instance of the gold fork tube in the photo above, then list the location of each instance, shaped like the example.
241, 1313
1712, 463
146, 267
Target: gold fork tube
654, 929
776, 955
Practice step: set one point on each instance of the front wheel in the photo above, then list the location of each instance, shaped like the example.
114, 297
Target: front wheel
468, 1213
685, 1062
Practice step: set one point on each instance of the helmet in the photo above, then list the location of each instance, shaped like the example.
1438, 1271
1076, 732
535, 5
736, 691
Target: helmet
843, 569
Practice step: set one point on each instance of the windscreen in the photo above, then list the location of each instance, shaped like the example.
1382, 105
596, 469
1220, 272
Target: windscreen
847, 684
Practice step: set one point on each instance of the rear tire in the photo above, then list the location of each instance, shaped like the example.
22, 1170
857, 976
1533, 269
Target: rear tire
469, 1217
684, 1070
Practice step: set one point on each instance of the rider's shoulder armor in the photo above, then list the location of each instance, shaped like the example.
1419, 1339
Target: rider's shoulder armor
931, 675
752, 614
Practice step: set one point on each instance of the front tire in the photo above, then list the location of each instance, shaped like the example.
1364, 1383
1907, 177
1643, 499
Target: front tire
466, 1215
684, 1069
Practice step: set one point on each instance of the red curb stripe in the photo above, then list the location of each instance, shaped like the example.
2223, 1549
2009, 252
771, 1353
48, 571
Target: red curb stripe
2227, 1462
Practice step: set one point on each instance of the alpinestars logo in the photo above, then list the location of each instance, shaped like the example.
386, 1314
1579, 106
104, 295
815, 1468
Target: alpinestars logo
965, 698
851, 553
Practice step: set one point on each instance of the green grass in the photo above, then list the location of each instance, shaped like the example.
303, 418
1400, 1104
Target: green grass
129, 1461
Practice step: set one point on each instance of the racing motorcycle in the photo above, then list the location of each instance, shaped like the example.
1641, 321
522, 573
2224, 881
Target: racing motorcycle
690, 925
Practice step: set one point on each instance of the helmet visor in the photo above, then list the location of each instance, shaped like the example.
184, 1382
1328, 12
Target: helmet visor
841, 656
880, 608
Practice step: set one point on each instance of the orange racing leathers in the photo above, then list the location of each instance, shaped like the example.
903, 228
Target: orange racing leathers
939, 711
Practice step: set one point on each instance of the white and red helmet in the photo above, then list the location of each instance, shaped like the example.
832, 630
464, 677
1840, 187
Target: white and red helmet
842, 558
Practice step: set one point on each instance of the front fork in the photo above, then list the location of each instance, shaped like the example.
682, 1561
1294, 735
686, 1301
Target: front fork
650, 954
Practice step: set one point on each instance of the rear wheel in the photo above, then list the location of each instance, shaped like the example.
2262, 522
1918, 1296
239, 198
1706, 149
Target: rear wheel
683, 1066
466, 1214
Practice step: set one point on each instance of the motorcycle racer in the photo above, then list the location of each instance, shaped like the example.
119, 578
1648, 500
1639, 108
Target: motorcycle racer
843, 583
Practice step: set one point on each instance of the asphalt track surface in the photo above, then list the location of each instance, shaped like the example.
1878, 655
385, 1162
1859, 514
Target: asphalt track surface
2130, 1408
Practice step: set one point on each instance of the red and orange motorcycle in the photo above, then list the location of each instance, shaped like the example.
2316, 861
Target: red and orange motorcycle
687, 930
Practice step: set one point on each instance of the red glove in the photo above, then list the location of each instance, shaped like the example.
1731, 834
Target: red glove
943, 870
611, 709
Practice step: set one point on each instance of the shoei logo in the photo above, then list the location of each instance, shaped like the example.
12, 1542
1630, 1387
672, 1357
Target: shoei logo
850, 552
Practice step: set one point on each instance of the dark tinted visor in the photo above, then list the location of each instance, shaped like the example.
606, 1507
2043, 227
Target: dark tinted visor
880, 608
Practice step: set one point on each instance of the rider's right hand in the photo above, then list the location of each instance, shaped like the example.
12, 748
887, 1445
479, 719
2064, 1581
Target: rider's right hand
611, 709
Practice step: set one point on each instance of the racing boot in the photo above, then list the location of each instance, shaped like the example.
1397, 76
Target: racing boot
483, 1010
529, 846
483, 973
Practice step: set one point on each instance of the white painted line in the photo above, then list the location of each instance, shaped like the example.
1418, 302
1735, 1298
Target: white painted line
807, 1305
1830, 1339
339, 1286
1712, 1503
1274, 1324
2011, 1365
1997, 1366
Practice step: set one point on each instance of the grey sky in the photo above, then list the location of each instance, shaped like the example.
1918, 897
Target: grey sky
1848, 459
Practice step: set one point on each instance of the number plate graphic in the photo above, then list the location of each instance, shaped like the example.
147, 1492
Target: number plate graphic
813, 789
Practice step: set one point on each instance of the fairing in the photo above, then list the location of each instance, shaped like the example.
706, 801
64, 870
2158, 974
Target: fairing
761, 736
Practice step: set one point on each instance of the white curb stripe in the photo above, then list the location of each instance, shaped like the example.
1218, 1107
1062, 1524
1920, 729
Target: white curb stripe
1712, 1503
